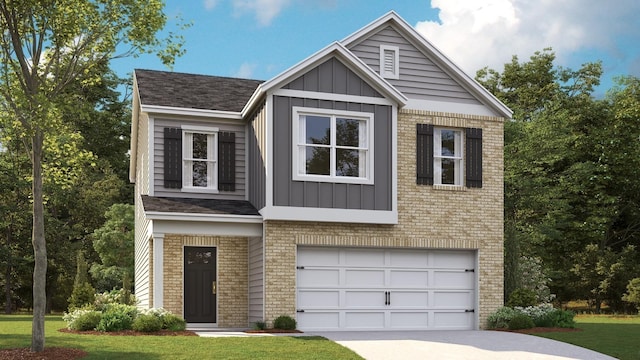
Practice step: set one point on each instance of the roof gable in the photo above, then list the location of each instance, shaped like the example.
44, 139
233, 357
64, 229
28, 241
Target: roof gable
448, 77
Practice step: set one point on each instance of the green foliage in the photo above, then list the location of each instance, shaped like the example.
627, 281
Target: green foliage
117, 317
147, 323
115, 296
633, 292
563, 318
521, 321
173, 322
522, 297
82, 319
83, 293
501, 318
259, 325
284, 322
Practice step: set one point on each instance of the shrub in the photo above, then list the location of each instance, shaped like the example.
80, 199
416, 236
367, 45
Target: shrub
82, 319
284, 322
522, 297
117, 317
501, 318
147, 323
82, 294
521, 321
173, 322
540, 314
563, 318
633, 292
115, 296
260, 325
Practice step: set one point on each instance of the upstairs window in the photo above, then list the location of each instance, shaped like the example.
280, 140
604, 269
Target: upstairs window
447, 157
389, 62
332, 146
200, 159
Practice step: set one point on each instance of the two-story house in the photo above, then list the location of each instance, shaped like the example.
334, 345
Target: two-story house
360, 189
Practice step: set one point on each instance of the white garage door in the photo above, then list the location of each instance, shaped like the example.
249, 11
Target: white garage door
370, 289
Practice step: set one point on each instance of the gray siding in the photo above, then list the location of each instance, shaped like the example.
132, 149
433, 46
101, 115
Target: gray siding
332, 76
257, 150
331, 195
420, 78
256, 280
158, 165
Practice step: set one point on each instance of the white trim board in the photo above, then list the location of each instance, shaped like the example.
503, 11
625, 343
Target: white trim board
291, 213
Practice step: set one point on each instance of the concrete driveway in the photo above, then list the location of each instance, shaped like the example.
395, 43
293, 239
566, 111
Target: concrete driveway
406, 345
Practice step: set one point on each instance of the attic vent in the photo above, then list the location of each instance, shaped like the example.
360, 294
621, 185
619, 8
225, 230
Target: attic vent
389, 61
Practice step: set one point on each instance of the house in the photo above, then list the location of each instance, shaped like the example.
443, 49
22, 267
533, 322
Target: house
360, 189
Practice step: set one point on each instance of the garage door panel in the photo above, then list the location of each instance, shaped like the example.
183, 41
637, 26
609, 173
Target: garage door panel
409, 258
319, 320
364, 320
453, 299
452, 260
319, 257
319, 277
408, 320
364, 258
452, 320
364, 299
318, 299
408, 278
364, 278
409, 299
459, 279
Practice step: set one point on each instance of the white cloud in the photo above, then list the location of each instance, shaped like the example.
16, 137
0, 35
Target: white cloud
478, 33
265, 10
245, 71
210, 4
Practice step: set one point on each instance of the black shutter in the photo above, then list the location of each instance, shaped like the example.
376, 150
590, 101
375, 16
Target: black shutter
173, 158
424, 155
227, 161
474, 157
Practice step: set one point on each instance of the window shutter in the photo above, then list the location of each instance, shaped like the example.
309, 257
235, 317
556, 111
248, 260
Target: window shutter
227, 161
424, 155
173, 158
474, 157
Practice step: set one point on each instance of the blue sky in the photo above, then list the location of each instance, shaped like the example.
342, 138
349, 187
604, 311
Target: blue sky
258, 39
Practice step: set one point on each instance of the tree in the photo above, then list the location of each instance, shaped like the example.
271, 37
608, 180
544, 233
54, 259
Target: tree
47, 45
114, 243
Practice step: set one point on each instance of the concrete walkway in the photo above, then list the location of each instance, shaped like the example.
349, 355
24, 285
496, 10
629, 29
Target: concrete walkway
446, 345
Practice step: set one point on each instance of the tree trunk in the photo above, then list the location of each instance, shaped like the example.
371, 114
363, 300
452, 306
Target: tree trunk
39, 247
7, 276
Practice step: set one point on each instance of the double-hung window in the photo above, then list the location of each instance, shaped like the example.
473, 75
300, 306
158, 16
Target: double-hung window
447, 156
200, 158
332, 146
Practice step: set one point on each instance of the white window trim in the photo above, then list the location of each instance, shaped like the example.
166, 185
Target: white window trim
212, 158
396, 62
299, 164
437, 158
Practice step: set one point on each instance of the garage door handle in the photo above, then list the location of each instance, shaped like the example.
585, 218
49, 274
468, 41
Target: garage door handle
387, 298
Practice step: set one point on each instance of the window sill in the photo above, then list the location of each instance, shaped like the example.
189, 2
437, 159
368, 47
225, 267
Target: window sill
200, 190
450, 187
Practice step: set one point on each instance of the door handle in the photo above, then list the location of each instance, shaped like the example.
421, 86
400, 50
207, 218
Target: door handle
214, 287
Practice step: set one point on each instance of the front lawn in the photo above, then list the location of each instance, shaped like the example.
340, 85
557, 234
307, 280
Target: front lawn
617, 336
15, 332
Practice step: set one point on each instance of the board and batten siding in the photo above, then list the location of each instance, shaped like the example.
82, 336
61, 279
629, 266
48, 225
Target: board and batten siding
420, 78
158, 164
324, 194
256, 279
257, 153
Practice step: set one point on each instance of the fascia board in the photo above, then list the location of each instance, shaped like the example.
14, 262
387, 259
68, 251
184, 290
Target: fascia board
429, 49
133, 142
352, 62
170, 110
158, 215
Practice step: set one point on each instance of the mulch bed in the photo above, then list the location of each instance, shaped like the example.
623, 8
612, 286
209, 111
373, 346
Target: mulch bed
273, 331
131, 333
537, 330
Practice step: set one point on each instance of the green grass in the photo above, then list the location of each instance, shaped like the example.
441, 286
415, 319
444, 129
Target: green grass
617, 336
15, 332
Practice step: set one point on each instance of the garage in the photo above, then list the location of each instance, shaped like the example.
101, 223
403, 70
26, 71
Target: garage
385, 289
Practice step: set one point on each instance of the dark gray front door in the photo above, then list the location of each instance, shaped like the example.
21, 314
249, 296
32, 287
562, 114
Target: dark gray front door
200, 285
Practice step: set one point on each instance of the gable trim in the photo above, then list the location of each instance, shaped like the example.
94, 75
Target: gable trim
158, 109
332, 97
439, 58
351, 61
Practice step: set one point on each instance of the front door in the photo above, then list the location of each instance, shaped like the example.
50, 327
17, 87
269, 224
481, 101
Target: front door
200, 285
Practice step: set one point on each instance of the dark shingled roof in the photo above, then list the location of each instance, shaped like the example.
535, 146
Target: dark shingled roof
198, 206
193, 91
